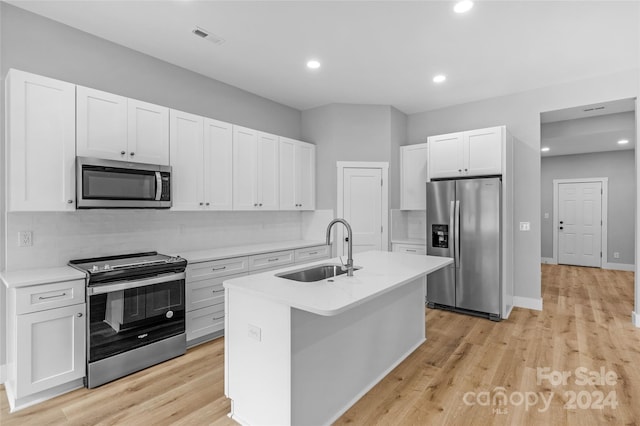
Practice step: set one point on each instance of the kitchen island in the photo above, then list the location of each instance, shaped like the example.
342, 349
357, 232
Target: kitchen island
303, 353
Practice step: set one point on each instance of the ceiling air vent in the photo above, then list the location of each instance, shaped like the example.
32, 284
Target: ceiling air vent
202, 33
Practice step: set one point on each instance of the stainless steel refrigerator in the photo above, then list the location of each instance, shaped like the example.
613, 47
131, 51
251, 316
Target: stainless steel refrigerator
463, 222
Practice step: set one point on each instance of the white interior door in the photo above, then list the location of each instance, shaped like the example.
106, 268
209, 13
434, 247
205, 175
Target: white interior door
363, 207
580, 223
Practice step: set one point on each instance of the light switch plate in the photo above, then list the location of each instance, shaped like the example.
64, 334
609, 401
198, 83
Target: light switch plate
525, 226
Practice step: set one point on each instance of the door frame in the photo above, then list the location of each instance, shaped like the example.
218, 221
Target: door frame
603, 238
384, 205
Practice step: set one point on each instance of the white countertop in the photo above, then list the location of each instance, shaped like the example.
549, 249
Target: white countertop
381, 272
27, 277
248, 250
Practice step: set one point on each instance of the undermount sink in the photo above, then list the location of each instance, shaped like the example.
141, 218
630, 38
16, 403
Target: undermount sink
315, 273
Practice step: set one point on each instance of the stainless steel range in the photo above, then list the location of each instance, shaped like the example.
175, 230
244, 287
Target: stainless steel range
136, 313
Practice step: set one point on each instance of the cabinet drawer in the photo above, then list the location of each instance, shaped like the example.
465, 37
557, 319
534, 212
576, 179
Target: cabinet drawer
204, 321
410, 248
270, 260
217, 268
310, 254
48, 296
207, 292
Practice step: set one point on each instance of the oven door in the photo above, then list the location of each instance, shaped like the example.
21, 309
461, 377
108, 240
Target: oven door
126, 315
120, 184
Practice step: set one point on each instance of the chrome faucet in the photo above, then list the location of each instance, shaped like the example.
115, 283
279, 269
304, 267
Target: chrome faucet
349, 266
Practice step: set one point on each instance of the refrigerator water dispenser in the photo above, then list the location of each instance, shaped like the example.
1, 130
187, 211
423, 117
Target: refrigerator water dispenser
440, 236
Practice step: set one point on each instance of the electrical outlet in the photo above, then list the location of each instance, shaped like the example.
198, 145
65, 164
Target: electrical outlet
25, 238
525, 226
254, 332
616, 255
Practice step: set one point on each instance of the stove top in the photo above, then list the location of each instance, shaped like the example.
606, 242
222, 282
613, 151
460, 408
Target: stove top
126, 266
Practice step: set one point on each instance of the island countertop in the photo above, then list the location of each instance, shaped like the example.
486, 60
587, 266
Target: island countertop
380, 272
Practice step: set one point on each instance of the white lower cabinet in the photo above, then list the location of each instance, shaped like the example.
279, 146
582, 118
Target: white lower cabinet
409, 248
205, 290
46, 350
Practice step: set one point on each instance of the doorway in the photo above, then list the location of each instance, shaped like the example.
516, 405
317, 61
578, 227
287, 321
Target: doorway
580, 234
363, 202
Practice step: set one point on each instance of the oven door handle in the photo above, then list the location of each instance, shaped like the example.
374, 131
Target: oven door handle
135, 284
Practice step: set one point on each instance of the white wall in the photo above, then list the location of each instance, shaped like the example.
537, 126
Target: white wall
619, 167
521, 114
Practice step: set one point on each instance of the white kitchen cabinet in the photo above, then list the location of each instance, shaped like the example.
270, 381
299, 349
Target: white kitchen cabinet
117, 128
470, 153
297, 175
311, 254
255, 170
420, 249
201, 160
148, 132
414, 176
46, 334
40, 120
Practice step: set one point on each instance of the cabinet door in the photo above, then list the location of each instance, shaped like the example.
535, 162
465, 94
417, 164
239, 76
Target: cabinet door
414, 176
187, 163
268, 172
288, 169
40, 143
148, 133
218, 160
483, 151
50, 348
305, 176
245, 168
101, 124
445, 155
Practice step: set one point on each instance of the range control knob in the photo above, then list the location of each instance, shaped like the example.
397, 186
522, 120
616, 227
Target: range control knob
169, 314
95, 268
107, 266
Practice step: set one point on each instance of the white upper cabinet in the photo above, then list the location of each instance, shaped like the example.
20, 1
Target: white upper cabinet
187, 162
255, 170
117, 128
148, 132
297, 175
40, 143
201, 160
470, 153
414, 176
218, 165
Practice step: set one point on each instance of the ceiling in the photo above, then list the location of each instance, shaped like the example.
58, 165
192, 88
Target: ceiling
382, 52
589, 128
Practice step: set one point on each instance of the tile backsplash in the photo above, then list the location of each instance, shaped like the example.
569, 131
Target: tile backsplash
59, 237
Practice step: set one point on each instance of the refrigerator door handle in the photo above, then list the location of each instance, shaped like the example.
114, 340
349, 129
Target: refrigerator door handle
456, 244
452, 239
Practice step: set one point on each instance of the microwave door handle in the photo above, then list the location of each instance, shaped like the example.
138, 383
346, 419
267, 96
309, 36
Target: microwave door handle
158, 186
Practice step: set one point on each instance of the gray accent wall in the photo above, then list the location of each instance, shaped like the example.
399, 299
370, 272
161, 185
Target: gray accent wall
619, 168
520, 112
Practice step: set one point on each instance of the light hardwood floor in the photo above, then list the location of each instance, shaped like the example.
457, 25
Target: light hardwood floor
585, 323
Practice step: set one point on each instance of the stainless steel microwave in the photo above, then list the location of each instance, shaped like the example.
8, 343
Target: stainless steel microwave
104, 184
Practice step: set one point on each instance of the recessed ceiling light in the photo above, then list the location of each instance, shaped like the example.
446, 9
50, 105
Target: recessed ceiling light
313, 64
545, 149
439, 78
463, 6
623, 141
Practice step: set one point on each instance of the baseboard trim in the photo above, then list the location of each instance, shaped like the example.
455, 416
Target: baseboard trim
527, 303
548, 261
635, 319
619, 266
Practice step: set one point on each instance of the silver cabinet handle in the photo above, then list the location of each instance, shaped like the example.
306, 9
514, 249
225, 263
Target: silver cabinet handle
273, 259
132, 154
219, 269
122, 152
312, 253
255, 205
51, 297
201, 203
411, 250
260, 204
218, 291
69, 201
206, 204
79, 314
218, 318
